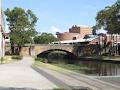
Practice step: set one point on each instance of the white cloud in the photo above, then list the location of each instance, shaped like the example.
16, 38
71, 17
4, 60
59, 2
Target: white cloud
101, 31
54, 29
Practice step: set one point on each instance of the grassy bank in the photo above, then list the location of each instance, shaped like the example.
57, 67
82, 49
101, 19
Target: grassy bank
73, 67
16, 57
10, 59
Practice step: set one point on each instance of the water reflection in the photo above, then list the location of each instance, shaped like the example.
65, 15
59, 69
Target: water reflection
94, 68
100, 68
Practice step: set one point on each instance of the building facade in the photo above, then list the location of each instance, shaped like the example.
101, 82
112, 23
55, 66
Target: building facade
2, 42
75, 33
7, 44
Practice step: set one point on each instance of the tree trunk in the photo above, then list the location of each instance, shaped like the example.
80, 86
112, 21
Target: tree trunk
12, 50
19, 50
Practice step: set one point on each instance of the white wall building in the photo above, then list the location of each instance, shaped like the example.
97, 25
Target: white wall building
2, 42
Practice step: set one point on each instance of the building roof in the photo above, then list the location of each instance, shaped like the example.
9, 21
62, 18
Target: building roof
92, 37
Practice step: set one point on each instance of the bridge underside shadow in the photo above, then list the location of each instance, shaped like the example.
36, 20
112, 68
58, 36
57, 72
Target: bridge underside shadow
45, 54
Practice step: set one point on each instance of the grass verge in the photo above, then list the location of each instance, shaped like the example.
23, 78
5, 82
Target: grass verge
17, 57
9, 59
73, 67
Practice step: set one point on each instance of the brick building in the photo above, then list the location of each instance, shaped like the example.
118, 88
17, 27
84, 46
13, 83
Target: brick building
75, 33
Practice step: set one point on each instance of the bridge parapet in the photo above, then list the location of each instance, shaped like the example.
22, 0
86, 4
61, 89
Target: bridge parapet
41, 48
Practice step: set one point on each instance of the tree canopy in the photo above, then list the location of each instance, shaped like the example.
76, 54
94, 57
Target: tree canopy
44, 38
109, 18
21, 25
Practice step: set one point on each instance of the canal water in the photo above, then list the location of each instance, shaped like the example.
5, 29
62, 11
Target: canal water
98, 68
88, 67
91, 67
106, 71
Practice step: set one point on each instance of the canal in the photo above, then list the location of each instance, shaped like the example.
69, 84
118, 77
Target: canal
108, 71
99, 68
88, 67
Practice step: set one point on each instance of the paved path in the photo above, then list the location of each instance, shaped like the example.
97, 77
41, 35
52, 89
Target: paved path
112, 80
21, 75
76, 80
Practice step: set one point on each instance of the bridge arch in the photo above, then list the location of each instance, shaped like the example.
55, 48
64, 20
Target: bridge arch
38, 49
46, 52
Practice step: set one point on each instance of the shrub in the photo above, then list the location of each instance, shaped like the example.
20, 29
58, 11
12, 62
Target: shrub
59, 89
44, 60
2, 59
17, 57
38, 59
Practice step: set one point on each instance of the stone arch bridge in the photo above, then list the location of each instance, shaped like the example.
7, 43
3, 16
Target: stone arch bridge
34, 50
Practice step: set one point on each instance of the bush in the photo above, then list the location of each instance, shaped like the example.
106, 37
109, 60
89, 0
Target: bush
105, 54
38, 59
44, 60
2, 59
17, 57
59, 89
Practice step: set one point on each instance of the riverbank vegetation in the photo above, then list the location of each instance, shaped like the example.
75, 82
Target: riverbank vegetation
76, 67
16, 57
61, 59
94, 68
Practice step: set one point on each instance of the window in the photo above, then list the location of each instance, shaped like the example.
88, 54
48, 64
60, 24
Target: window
74, 38
6, 37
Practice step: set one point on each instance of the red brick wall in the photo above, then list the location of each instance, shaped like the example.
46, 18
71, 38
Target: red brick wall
85, 30
75, 31
66, 36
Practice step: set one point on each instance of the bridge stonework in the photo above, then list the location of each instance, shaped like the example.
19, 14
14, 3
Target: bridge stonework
34, 50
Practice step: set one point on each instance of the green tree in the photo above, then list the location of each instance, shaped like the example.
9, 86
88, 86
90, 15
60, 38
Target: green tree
44, 38
94, 30
108, 18
21, 25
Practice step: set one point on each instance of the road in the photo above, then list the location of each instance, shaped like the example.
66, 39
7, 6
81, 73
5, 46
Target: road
20, 75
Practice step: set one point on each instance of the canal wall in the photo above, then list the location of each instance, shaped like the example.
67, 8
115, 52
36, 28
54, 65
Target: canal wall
101, 58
